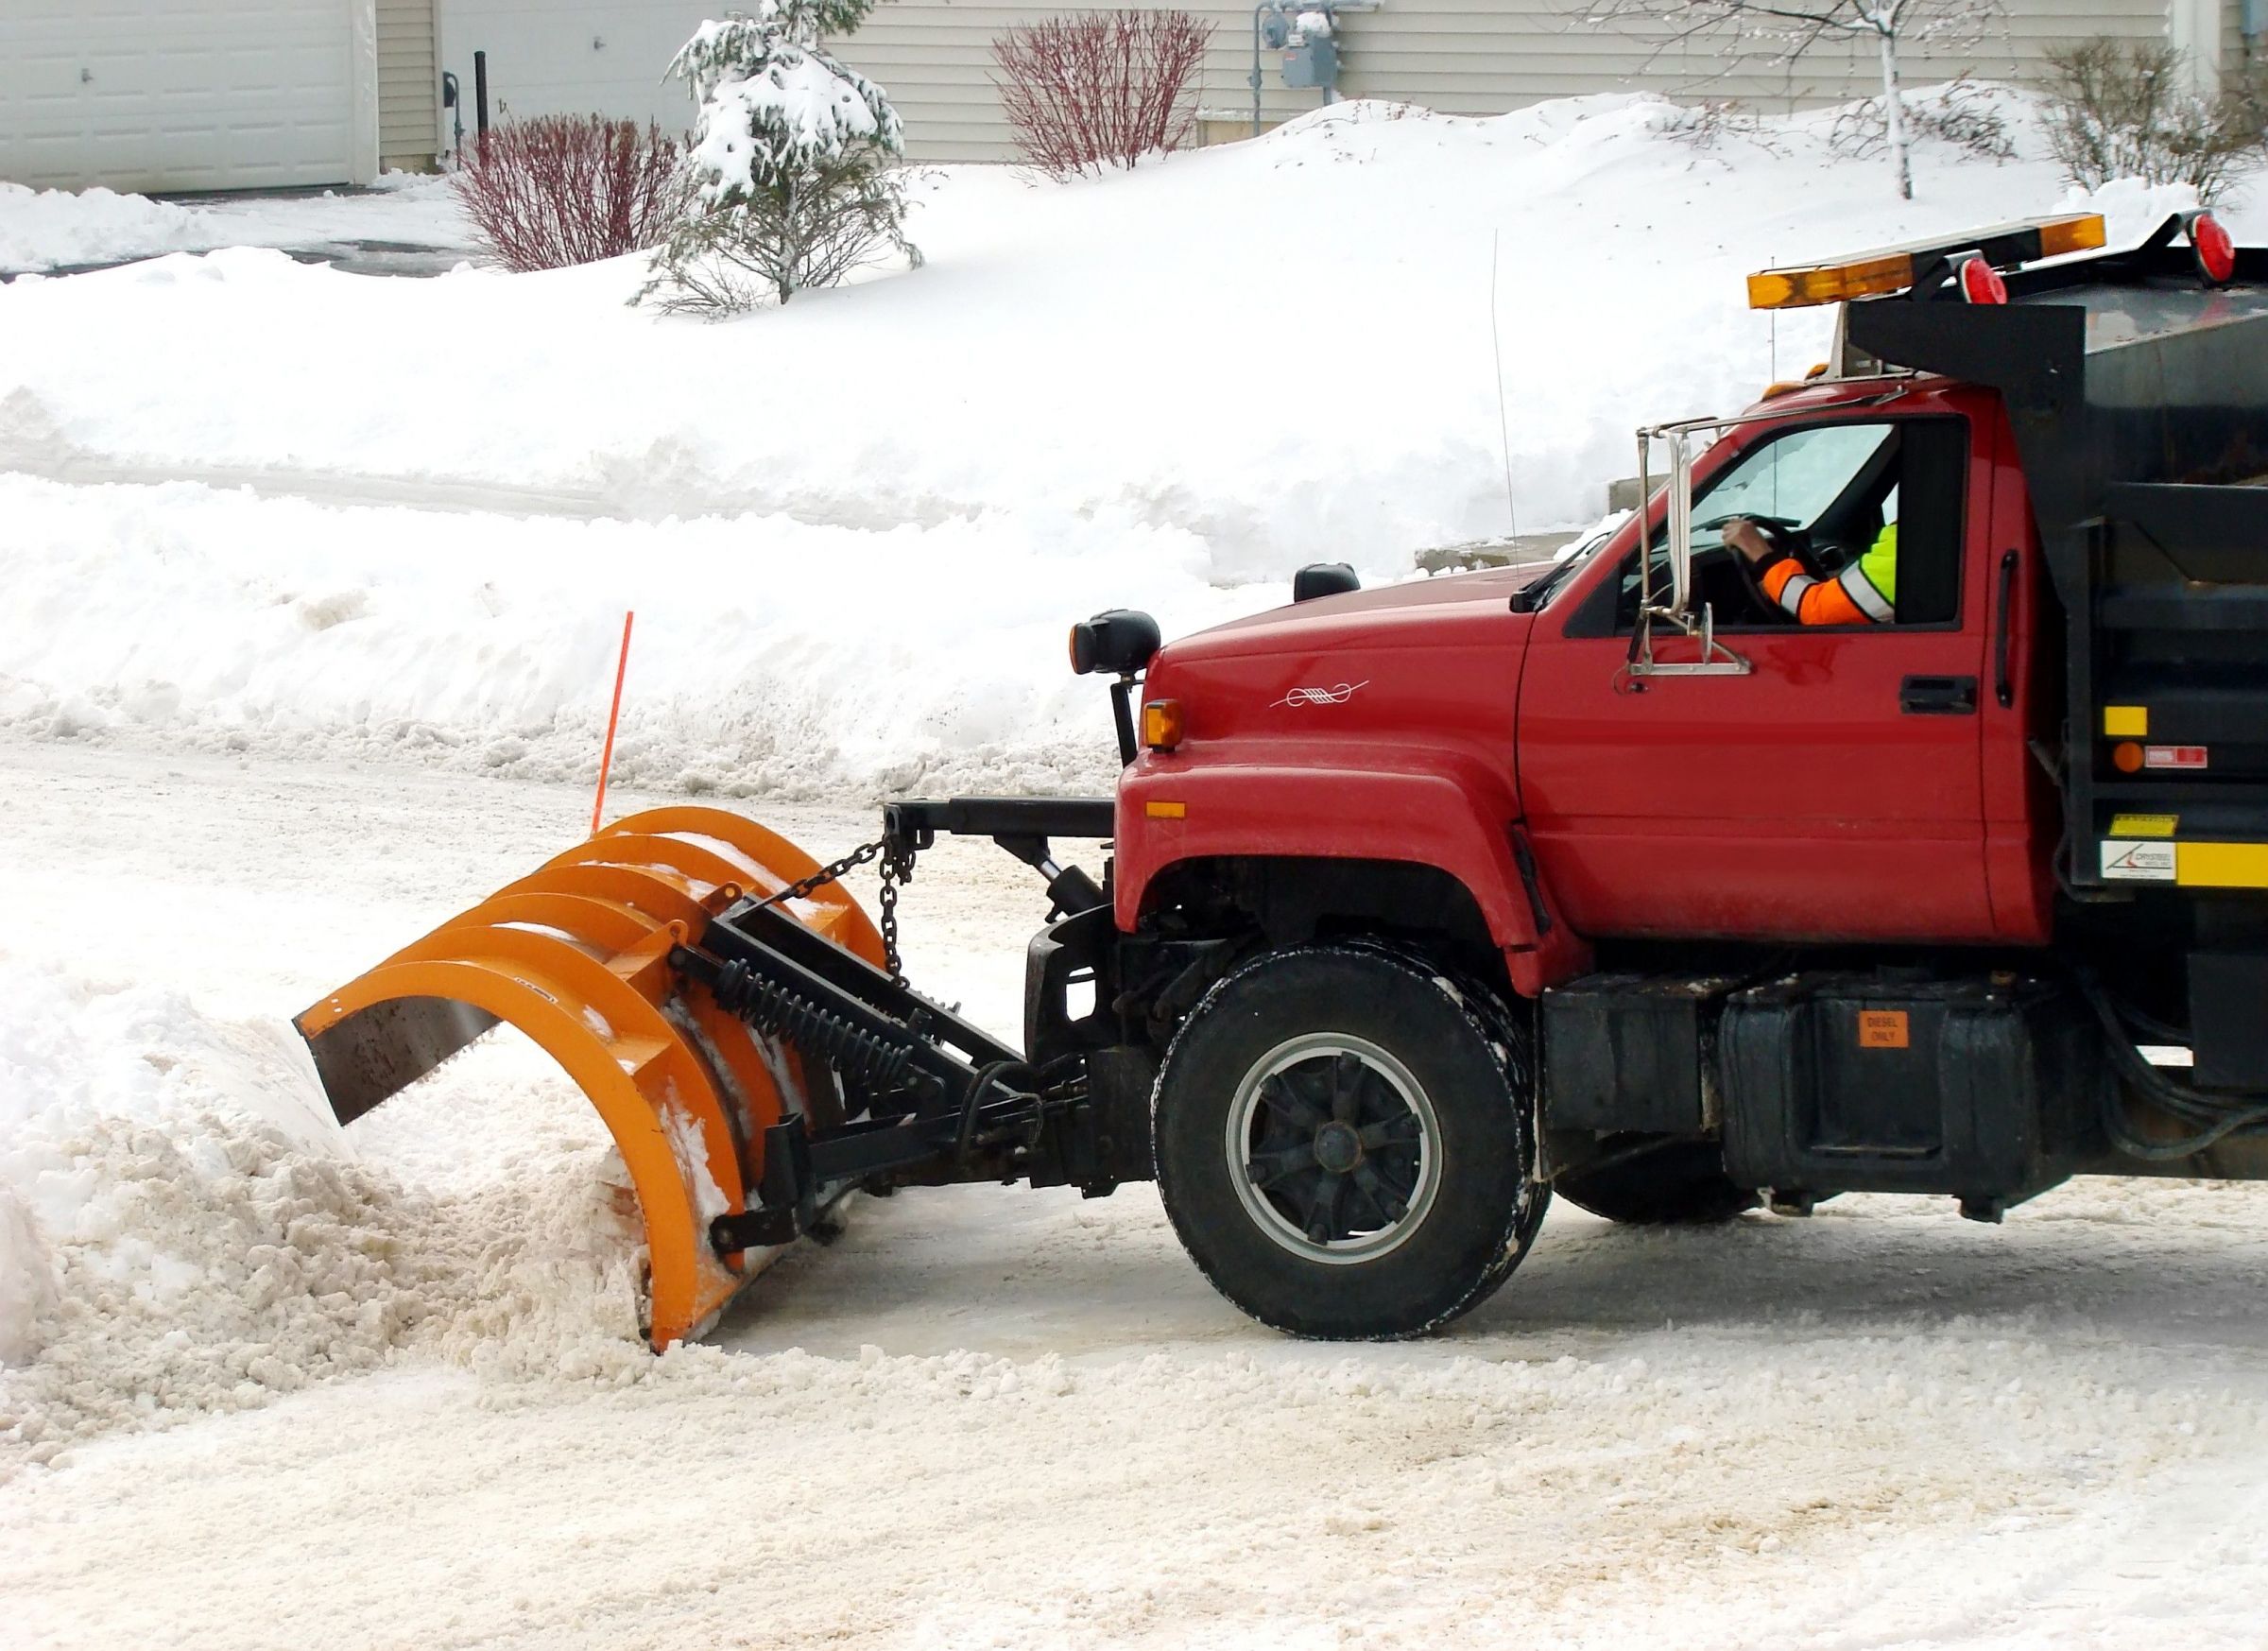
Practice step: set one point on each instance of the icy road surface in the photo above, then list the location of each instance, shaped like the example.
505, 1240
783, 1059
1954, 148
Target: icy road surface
990, 1417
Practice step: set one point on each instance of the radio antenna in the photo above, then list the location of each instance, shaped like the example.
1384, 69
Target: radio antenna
1503, 419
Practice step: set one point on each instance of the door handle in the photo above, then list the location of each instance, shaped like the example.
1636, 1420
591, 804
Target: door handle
2003, 685
1937, 695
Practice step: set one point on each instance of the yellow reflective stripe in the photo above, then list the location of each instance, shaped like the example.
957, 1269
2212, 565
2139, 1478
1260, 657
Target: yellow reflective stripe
1865, 597
2221, 864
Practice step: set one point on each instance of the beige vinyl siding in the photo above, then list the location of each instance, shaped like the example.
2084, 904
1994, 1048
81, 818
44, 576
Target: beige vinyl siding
2235, 61
1463, 56
408, 86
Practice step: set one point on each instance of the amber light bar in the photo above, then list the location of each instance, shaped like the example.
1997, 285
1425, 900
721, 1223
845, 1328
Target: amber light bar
1894, 268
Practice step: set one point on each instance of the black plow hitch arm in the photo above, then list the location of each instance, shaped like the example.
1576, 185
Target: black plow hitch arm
926, 1097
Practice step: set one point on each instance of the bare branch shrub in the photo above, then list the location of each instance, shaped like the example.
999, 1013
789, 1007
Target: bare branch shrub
2119, 108
1741, 33
1963, 113
1100, 89
1708, 124
562, 189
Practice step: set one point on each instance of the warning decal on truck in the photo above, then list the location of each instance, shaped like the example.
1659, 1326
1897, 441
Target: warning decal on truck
2175, 757
2133, 862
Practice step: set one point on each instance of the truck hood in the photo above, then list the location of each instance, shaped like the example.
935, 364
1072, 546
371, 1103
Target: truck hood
1418, 612
1423, 664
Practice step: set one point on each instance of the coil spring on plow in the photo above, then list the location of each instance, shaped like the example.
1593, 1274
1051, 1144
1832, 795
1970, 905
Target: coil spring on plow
779, 1011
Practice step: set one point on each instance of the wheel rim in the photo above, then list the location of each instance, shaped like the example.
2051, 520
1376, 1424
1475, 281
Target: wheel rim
1333, 1148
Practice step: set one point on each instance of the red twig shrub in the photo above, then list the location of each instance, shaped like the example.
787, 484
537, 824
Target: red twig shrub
1100, 89
562, 189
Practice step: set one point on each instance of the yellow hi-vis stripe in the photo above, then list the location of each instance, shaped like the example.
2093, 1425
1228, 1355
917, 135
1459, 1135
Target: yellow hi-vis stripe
2221, 864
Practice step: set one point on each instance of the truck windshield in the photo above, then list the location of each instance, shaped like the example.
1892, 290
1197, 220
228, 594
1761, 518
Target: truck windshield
1792, 479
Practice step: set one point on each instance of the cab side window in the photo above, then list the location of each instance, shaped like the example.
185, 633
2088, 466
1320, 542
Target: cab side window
1834, 491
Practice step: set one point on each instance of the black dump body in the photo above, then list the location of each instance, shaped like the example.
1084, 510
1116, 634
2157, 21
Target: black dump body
2138, 395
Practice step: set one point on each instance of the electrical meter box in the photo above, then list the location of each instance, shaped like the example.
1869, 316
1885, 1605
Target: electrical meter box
1311, 63
1988, 1090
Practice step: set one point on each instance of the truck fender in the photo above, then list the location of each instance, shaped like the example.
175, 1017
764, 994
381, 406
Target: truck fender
1463, 823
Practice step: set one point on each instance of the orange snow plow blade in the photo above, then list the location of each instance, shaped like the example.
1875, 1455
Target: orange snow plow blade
576, 956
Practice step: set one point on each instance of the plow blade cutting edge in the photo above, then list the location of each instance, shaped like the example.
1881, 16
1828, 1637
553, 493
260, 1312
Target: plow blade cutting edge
578, 958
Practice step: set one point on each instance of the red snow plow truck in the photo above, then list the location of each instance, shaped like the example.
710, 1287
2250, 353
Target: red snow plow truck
1418, 905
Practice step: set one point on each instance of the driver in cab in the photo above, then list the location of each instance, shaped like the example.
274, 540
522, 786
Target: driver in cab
1865, 592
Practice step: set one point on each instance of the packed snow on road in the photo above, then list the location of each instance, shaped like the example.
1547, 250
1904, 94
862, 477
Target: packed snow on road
314, 585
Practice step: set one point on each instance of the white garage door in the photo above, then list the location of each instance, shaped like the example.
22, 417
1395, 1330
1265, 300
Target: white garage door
150, 95
574, 57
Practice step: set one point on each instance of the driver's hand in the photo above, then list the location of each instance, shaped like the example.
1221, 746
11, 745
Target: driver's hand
1748, 537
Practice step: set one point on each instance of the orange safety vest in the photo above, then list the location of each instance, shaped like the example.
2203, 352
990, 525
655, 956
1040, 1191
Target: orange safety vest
1864, 592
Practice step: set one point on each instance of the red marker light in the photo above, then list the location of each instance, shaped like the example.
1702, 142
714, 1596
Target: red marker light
2215, 249
1981, 283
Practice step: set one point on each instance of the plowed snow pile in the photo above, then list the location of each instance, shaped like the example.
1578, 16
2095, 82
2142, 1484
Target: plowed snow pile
183, 1230
854, 528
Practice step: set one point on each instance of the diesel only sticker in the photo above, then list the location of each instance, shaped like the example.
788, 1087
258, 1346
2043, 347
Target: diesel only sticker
2132, 862
1883, 1030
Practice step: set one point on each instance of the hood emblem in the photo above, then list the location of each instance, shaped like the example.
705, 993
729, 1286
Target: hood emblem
1338, 696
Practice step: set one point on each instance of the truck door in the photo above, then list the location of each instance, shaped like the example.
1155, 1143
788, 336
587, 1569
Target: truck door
1835, 791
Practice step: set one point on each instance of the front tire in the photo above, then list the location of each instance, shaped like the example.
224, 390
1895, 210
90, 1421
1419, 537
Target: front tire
1344, 1141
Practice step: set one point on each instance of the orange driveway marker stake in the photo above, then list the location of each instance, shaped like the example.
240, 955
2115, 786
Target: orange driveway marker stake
606, 757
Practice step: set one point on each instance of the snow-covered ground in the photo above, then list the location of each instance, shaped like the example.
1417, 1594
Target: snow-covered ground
313, 584
371, 1389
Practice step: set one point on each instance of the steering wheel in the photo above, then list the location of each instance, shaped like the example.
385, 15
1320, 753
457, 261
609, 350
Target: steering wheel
1781, 533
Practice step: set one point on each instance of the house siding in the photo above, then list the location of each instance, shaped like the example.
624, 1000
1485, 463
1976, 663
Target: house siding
2238, 54
1459, 57
408, 86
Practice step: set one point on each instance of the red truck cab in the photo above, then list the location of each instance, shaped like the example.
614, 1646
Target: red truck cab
1431, 722
1727, 908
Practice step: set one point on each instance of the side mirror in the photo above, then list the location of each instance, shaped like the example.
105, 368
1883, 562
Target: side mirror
1122, 641
1323, 578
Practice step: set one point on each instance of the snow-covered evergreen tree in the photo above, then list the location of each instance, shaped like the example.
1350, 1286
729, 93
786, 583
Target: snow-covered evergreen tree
794, 180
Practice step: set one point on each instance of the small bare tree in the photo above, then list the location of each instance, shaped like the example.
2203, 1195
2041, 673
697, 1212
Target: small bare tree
1781, 32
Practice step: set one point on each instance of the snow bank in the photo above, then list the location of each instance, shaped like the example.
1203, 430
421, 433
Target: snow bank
50, 228
55, 229
184, 1231
770, 655
1281, 346
854, 528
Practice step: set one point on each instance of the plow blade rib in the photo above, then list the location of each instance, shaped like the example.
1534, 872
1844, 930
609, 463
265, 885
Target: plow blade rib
577, 957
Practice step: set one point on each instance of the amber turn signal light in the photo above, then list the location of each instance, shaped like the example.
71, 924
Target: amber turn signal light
1161, 724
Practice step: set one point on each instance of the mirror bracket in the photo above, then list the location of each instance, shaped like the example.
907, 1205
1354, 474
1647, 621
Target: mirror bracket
1716, 658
